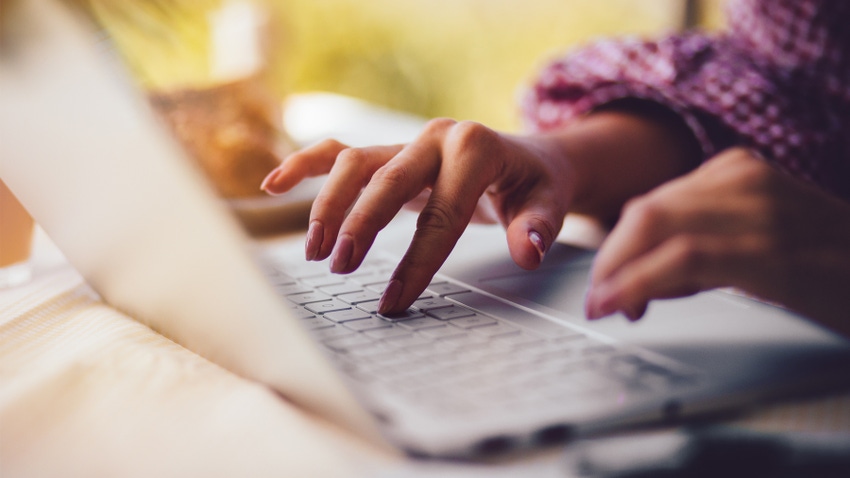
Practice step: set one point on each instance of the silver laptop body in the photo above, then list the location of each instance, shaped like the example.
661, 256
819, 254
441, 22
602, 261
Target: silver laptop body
464, 373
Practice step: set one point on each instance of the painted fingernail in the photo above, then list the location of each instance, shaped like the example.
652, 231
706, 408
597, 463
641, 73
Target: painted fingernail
537, 241
270, 179
342, 253
390, 297
315, 234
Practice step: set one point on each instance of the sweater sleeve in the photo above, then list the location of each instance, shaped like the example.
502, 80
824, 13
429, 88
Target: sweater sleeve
777, 81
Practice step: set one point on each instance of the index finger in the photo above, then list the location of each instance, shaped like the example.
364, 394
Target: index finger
468, 149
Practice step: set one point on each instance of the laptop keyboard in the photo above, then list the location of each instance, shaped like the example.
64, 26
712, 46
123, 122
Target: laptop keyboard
456, 349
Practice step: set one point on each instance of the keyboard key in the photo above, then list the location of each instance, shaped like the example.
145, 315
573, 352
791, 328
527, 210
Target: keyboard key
472, 320
370, 307
441, 289
366, 280
367, 269
327, 306
323, 280
289, 289
358, 297
367, 324
521, 341
403, 316
376, 351
407, 341
331, 332
378, 287
422, 323
301, 313
316, 323
496, 330
348, 343
381, 334
339, 289
308, 297
303, 270
341, 316
450, 312
431, 303
441, 332
280, 279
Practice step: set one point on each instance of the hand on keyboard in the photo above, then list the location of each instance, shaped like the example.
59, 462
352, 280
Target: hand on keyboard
459, 163
591, 167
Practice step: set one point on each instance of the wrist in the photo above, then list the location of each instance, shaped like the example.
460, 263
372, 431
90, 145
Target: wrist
621, 151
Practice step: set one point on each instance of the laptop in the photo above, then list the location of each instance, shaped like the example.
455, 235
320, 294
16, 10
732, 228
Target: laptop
489, 358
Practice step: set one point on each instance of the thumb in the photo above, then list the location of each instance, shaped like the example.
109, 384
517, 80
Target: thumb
532, 231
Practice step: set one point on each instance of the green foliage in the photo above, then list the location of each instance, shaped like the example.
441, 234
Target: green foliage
461, 58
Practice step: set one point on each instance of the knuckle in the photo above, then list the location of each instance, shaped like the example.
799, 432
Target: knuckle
437, 215
361, 223
467, 133
331, 143
646, 212
735, 155
439, 125
351, 157
747, 169
391, 175
323, 204
756, 173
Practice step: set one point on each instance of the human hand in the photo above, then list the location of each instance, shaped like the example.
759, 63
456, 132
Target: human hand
526, 179
732, 222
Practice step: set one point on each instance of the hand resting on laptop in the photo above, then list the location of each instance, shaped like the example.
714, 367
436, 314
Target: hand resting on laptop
737, 222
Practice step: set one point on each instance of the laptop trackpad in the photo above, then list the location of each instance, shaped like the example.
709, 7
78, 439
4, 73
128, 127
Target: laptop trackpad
713, 328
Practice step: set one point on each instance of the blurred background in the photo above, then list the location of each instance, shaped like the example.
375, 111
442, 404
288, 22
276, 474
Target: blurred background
466, 59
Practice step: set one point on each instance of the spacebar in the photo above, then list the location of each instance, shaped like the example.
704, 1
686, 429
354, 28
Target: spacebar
496, 308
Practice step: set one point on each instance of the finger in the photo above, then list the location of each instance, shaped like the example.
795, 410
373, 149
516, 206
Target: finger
308, 162
469, 166
686, 205
392, 185
351, 171
485, 212
534, 228
642, 226
680, 266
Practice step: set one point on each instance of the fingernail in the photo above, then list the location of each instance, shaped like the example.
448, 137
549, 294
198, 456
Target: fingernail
390, 297
270, 179
537, 241
342, 253
315, 235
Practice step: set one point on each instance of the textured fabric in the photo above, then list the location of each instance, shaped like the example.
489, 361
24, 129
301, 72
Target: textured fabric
778, 81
